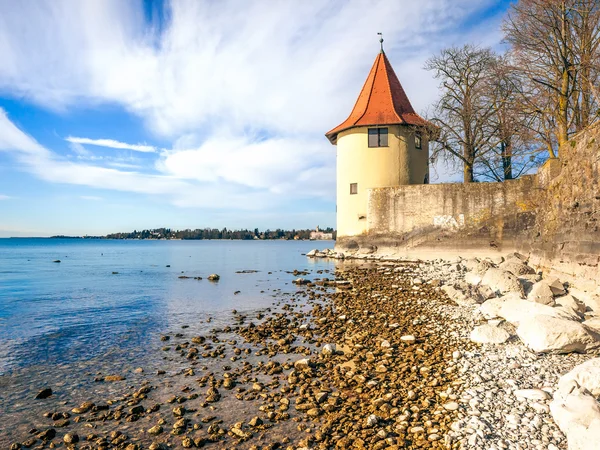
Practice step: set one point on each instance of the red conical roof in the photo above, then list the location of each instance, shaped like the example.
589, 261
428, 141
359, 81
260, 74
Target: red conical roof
382, 101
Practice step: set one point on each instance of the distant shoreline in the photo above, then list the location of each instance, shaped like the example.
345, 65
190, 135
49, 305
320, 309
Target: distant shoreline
103, 238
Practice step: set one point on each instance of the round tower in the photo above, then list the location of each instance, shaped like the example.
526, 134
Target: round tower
383, 143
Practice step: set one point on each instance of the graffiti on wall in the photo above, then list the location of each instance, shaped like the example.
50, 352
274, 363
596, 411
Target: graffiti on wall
449, 222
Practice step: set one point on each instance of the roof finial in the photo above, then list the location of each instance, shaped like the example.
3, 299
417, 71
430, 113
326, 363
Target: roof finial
381, 41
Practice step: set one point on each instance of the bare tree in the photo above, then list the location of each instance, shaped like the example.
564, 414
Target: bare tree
586, 50
513, 147
463, 111
555, 45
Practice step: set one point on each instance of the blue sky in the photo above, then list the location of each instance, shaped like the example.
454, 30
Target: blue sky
120, 115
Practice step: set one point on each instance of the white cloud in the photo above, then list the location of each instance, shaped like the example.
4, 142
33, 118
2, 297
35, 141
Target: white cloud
111, 143
244, 90
176, 183
91, 197
287, 67
4, 197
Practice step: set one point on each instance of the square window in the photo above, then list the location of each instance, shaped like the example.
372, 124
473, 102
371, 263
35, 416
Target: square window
378, 137
353, 188
418, 140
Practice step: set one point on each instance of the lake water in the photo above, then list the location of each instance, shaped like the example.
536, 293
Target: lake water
110, 298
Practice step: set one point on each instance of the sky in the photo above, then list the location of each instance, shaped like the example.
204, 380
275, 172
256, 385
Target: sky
120, 115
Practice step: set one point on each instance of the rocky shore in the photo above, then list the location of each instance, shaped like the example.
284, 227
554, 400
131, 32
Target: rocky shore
379, 355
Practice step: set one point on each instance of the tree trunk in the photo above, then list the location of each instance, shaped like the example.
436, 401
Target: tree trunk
506, 160
469, 161
563, 96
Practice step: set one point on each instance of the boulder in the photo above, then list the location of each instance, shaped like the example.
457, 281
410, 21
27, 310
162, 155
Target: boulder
590, 299
473, 278
568, 301
457, 296
491, 308
516, 267
587, 375
476, 266
489, 334
593, 323
541, 293
556, 286
312, 253
577, 414
502, 281
485, 293
514, 310
518, 257
552, 334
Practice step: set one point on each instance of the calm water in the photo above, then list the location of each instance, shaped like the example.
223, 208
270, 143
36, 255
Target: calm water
55, 314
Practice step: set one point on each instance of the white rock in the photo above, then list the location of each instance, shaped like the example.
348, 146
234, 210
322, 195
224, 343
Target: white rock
312, 253
385, 344
485, 292
577, 414
532, 394
489, 334
408, 338
457, 296
568, 301
451, 406
556, 286
516, 257
502, 281
514, 310
490, 309
593, 323
550, 334
473, 278
497, 260
586, 375
372, 420
328, 349
516, 267
541, 293
476, 266
590, 299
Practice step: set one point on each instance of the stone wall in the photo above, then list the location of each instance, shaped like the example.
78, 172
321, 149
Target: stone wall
554, 215
566, 235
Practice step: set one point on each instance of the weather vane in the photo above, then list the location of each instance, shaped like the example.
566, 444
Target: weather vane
381, 41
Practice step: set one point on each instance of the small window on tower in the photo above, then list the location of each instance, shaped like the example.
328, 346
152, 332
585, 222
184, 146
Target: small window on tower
353, 188
378, 137
417, 140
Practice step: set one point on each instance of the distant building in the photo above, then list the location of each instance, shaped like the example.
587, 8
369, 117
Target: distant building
383, 143
318, 235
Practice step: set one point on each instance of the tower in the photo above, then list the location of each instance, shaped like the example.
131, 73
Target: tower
383, 143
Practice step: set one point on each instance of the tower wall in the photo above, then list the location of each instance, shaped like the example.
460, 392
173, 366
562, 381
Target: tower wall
374, 167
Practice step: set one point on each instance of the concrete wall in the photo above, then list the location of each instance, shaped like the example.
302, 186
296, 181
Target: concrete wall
488, 214
371, 167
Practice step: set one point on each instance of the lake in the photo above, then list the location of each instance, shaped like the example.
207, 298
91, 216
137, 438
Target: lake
111, 297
